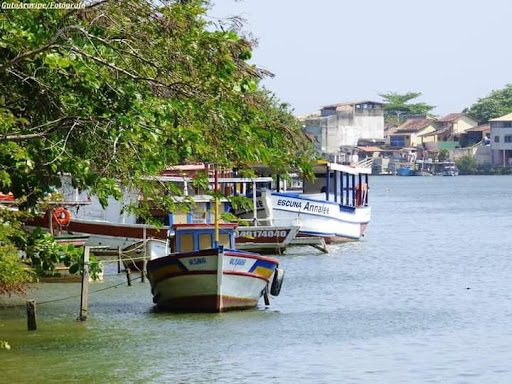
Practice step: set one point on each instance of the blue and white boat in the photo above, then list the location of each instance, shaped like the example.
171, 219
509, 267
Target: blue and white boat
406, 169
334, 206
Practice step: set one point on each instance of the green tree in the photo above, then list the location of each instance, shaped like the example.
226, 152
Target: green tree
398, 106
14, 275
497, 104
467, 165
444, 154
118, 91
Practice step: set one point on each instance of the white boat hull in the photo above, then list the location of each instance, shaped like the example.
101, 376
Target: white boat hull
133, 256
330, 220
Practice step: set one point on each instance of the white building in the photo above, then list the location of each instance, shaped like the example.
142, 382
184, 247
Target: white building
344, 124
501, 140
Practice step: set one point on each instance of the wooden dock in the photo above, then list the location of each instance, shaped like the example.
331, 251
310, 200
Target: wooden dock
314, 241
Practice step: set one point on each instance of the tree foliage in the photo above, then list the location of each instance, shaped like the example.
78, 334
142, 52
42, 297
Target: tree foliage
467, 165
398, 106
497, 104
14, 275
120, 90
444, 154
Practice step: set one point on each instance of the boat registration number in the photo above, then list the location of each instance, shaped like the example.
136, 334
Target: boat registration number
257, 234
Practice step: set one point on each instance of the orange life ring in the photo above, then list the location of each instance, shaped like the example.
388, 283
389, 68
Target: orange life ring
62, 216
6, 197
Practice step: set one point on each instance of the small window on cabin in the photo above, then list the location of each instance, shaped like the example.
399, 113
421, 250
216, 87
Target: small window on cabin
186, 242
205, 241
224, 240
496, 139
508, 139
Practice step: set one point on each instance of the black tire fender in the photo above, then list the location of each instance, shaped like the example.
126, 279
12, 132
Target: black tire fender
277, 282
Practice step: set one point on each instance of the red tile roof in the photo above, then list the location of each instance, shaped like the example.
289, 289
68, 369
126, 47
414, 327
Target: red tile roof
414, 125
369, 149
480, 128
451, 117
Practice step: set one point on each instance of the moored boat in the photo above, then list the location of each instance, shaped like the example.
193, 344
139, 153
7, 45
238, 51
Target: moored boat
450, 169
208, 275
135, 254
334, 206
265, 238
406, 169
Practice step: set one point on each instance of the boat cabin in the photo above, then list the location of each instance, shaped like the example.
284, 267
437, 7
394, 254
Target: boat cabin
194, 237
339, 183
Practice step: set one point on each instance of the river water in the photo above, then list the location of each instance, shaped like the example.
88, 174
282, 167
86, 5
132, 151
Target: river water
425, 297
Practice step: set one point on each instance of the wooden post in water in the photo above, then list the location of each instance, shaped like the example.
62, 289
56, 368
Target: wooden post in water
31, 315
216, 208
85, 286
128, 276
143, 272
144, 260
119, 259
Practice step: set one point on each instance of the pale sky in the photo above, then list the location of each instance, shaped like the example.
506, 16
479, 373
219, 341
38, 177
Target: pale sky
329, 51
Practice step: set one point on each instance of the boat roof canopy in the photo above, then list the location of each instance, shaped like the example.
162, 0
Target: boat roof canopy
178, 179
322, 165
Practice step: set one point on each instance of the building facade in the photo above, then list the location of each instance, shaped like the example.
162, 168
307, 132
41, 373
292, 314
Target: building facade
501, 140
410, 133
344, 124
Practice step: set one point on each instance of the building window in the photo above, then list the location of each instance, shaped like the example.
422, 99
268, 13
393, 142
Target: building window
496, 139
397, 141
508, 139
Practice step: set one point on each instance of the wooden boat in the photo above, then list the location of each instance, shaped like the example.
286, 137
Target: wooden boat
135, 254
206, 275
265, 238
105, 233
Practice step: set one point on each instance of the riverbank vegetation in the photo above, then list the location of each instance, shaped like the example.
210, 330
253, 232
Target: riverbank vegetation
118, 91
468, 165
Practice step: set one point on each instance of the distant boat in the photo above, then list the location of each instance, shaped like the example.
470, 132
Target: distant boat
450, 169
203, 275
423, 173
406, 170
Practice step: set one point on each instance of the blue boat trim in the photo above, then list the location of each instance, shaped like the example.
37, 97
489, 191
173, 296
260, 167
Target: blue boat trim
262, 263
327, 234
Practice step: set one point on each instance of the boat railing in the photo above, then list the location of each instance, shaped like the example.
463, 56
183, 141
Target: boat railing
365, 163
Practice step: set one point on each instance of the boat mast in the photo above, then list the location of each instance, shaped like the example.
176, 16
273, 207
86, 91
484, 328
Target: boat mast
216, 207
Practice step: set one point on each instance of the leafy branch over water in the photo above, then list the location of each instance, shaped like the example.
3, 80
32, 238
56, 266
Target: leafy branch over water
120, 90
